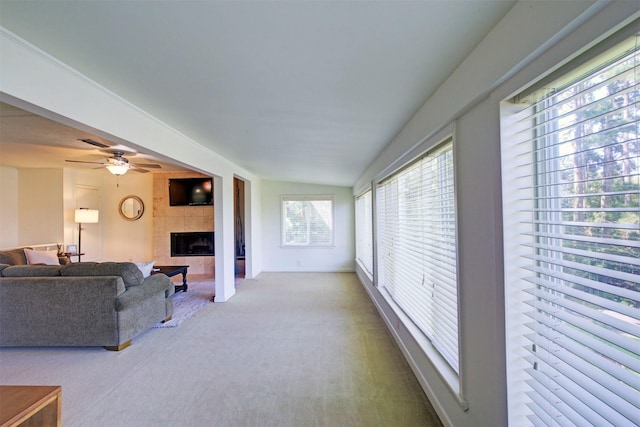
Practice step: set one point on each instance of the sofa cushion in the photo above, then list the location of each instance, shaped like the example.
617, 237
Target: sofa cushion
42, 257
39, 270
13, 257
131, 275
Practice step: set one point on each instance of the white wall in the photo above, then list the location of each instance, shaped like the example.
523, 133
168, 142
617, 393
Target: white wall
278, 258
125, 240
9, 207
535, 35
40, 206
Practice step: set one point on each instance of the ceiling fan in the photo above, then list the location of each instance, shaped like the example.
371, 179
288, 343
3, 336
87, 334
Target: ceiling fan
117, 164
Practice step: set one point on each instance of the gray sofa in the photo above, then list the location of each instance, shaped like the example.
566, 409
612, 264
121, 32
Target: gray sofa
80, 304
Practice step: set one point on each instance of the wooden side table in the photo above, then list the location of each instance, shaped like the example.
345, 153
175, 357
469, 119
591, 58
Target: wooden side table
73, 254
25, 405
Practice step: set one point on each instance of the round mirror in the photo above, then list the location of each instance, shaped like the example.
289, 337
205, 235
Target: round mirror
131, 208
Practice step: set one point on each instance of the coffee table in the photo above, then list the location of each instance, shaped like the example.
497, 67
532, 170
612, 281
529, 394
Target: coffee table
30, 405
173, 270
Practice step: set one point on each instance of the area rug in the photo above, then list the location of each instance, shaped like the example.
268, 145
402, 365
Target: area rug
186, 304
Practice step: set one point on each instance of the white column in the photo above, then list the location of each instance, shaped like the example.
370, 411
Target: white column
224, 237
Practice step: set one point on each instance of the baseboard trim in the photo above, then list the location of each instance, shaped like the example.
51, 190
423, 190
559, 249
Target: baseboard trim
308, 270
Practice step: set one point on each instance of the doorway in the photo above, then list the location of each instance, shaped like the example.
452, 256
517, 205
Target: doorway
239, 226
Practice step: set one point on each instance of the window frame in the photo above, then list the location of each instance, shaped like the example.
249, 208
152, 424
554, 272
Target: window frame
538, 271
306, 198
364, 231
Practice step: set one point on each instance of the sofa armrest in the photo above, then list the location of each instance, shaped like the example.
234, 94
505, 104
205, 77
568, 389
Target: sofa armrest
164, 281
154, 284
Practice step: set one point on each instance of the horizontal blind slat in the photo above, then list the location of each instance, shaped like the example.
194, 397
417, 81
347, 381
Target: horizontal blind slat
612, 405
612, 337
612, 353
558, 391
590, 239
585, 359
547, 299
616, 307
585, 253
620, 275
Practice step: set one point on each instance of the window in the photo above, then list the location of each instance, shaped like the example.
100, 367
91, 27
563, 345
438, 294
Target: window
307, 221
417, 247
571, 193
364, 232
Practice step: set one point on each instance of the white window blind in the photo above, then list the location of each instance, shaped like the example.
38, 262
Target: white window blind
417, 246
571, 193
307, 221
364, 232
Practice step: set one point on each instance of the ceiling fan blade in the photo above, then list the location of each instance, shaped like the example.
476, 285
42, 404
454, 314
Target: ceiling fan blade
139, 170
94, 142
147, 165
80, 161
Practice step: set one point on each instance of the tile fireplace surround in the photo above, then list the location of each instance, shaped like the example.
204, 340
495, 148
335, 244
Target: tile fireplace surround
178, 219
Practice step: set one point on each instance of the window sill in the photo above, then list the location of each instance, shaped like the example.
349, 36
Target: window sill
307, 246
437, 361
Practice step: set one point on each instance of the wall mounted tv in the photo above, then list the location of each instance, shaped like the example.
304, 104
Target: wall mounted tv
190, 191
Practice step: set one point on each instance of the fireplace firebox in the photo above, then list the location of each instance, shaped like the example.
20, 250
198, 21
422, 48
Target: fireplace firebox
192, 244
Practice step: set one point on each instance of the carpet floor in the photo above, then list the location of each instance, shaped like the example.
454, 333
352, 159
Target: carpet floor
186, 304
289, 349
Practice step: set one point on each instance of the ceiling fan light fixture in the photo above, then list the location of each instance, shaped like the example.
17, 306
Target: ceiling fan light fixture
118, 169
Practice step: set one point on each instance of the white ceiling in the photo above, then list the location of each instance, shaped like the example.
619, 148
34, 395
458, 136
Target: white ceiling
305, 91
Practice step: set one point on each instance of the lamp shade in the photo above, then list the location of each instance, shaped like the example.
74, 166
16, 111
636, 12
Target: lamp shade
86, 216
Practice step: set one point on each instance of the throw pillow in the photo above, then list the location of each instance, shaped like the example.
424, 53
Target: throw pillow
42, 257
13, 257
145, 267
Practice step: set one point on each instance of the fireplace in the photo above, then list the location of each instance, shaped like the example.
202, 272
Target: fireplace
192, 244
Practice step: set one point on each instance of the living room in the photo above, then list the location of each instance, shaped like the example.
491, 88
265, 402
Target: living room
44, 202
531, 41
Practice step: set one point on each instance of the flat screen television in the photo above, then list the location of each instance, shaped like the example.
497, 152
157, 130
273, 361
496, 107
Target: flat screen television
190, 191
